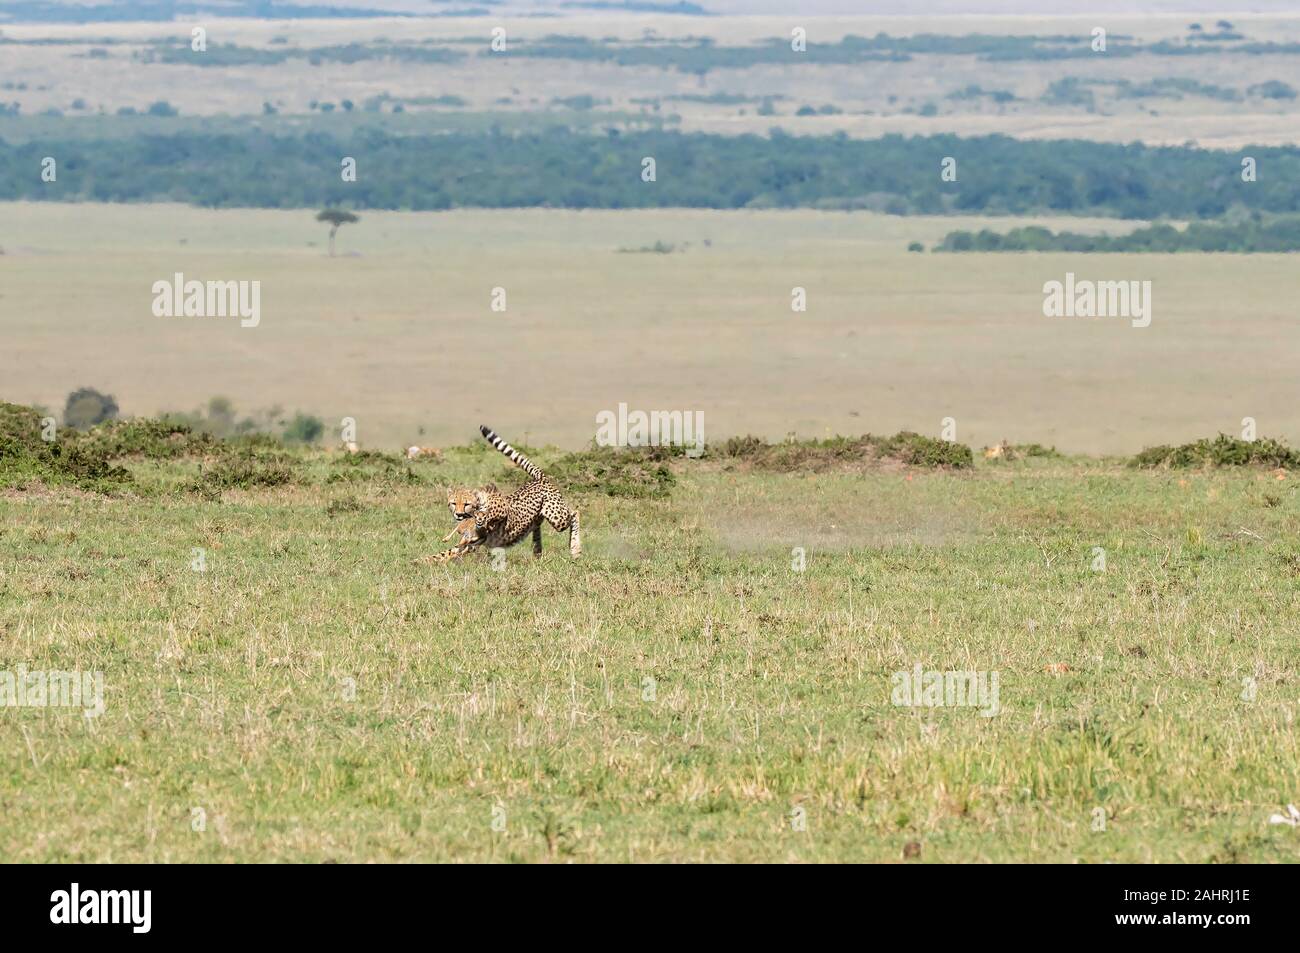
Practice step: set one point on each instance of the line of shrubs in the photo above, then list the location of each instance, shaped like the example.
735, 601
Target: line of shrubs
1248, 236
1221, 451
33, 451
905, 447
30, 453
25, 457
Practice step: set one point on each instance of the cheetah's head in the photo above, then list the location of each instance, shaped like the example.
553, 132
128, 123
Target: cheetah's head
462, 502
465, 502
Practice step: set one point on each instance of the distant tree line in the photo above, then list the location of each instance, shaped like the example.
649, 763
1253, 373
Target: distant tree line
1278, 235
692, 54
701, 54
563, 168
229, 54
59, 11
1078, 91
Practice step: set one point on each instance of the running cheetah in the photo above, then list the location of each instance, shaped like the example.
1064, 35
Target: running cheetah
503, 520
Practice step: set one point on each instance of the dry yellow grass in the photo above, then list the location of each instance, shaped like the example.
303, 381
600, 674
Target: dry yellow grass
401, 335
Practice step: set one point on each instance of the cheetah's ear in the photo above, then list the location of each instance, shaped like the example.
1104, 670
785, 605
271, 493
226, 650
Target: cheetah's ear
481, 497
490, 487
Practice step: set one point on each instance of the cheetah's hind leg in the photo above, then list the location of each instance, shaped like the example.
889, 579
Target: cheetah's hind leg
561, 518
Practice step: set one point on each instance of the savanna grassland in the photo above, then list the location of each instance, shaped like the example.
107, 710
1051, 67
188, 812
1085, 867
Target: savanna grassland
661, 309
318, 690
288, 676
1162, 80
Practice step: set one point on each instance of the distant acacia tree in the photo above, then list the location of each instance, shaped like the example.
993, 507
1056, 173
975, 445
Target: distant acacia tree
87, 407
336, 218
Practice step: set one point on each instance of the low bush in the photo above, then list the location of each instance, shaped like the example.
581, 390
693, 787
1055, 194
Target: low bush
1221, 451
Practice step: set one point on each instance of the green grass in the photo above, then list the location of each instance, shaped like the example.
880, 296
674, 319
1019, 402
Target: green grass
524, 690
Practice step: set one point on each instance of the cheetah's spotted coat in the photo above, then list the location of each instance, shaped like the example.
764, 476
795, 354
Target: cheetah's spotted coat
502, 520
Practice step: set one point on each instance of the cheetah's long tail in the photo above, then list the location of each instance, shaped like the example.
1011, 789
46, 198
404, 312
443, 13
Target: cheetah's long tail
517, 458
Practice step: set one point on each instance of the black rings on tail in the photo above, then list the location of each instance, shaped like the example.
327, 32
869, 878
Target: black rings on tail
517, 458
